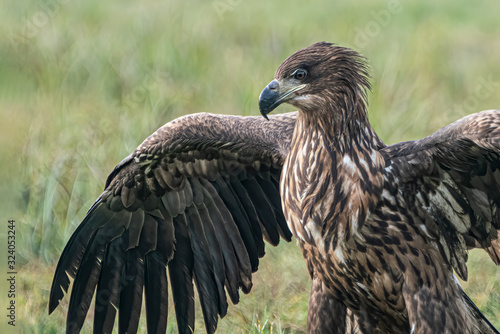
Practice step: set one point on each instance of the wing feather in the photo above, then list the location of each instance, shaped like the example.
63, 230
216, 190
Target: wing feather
456, 175
234, 205
180, 270
203, 269
228, 247
273, 195
250, 212
131, 292
239, 248
156, 292
108, 288
216, 255
133, 278
199, 196
264, 209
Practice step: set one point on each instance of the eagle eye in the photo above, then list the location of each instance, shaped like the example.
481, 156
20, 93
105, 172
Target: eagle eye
299, 74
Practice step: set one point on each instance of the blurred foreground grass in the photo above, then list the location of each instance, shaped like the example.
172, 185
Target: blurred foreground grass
83, 83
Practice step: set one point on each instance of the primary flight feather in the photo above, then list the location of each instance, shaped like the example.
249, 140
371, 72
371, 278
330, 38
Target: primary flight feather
382, 228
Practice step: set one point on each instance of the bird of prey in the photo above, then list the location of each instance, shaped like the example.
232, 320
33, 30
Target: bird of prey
382, 228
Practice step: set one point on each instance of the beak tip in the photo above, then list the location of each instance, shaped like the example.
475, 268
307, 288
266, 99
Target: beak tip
267, 101
263, 113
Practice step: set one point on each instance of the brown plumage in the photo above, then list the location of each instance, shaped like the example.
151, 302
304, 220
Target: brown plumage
381, 227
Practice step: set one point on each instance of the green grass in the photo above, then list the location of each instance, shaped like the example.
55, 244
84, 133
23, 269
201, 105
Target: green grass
83, 83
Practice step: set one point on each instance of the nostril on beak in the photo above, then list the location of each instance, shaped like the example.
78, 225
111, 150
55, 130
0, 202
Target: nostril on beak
273, 85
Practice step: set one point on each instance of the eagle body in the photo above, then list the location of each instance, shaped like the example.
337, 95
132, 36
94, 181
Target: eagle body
383, 229
368, 234
371, 250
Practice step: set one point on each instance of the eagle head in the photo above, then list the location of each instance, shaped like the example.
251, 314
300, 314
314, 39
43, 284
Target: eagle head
316, 78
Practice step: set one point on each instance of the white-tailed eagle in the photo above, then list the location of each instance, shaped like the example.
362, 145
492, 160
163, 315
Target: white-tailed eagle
382, 228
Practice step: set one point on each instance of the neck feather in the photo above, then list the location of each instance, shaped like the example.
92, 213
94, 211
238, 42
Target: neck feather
344, 126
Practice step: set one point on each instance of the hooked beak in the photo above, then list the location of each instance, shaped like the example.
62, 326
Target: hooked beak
275, 94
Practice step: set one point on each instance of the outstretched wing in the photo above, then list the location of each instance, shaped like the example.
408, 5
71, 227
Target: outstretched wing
199, 196
453, 177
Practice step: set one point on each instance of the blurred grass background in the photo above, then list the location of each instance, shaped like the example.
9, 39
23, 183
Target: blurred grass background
83, 83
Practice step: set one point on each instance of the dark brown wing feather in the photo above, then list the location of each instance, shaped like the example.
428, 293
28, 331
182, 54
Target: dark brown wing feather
454, 176
198, 196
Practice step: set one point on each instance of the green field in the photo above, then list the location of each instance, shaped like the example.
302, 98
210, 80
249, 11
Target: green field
83, 83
